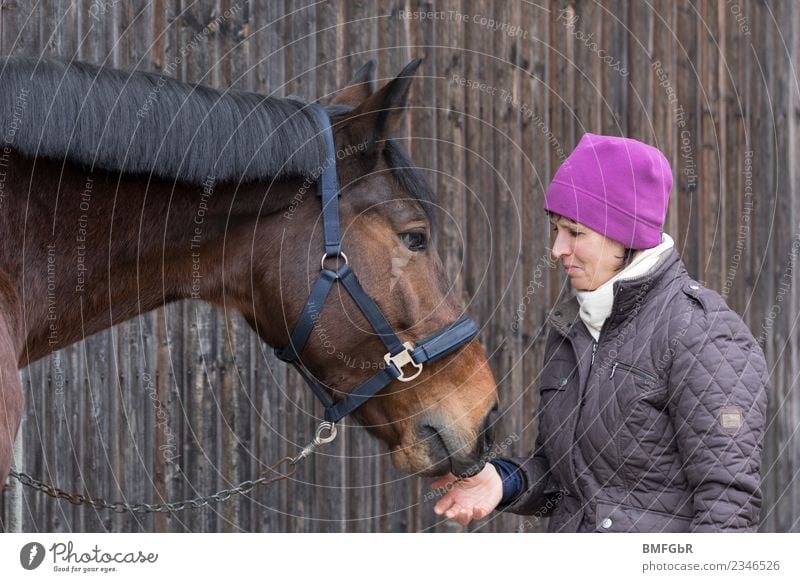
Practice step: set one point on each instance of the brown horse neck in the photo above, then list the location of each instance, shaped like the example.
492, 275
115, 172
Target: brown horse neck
99, 249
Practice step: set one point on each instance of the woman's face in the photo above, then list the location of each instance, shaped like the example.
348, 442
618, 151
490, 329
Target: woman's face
589, 258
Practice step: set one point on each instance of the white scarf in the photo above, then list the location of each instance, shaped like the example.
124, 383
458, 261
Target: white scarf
596, 305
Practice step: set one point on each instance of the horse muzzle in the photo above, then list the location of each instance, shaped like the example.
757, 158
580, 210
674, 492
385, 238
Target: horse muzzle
449, 451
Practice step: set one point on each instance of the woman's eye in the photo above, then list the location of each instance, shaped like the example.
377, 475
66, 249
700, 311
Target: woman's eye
416, 241
571, 232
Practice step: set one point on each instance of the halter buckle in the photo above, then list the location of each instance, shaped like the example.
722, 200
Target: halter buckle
402, 359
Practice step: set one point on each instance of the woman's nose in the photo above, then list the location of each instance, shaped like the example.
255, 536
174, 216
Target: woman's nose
560, 248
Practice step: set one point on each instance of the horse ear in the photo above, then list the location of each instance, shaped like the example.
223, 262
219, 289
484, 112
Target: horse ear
359, 88
377, 117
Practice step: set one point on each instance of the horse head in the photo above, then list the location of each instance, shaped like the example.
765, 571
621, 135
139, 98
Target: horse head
436, 417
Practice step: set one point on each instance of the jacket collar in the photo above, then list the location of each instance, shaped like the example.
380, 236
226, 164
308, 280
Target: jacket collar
629, 294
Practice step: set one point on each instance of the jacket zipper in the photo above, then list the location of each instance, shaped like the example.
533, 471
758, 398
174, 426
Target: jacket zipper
594, 350
634, 370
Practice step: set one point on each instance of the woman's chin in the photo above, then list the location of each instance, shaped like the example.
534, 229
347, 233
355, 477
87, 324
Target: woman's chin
577, 284
580, 284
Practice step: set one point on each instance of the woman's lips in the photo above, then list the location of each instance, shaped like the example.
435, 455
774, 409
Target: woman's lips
569, 270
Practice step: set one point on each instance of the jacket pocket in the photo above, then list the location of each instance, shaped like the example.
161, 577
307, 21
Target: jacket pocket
557, 373
634, 385
643, 374
553, 386
616, 517
550, 401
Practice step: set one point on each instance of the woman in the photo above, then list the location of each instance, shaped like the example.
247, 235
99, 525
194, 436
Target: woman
653, 392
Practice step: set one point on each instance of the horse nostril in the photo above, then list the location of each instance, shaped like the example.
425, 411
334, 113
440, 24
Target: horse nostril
430, 435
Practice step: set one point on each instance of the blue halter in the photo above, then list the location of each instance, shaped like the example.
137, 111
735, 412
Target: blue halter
404, 361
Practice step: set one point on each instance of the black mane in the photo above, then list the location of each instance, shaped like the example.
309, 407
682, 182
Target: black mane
144, 123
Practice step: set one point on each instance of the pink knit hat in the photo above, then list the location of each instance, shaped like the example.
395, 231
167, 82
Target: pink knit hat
616, 186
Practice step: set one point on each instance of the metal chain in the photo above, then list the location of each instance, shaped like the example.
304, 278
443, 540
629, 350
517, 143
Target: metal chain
121, 507
326, 432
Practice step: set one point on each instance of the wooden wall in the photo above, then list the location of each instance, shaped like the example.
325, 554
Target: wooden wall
185, 401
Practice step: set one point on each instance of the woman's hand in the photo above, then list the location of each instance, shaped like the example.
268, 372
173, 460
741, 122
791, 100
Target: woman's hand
471, 498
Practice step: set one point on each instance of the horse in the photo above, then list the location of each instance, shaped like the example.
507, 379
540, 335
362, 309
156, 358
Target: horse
122, 191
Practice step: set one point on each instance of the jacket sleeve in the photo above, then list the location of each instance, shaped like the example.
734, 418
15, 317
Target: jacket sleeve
718, 397
536, 485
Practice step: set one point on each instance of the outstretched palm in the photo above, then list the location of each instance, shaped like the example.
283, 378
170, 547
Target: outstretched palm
471, 498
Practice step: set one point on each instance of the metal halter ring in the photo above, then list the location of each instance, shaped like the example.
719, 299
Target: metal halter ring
321, 438
402, 359
326, 432
327, 256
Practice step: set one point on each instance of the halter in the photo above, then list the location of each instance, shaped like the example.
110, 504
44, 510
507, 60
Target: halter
404, 361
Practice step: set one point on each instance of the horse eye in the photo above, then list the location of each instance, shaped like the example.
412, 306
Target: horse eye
416, 241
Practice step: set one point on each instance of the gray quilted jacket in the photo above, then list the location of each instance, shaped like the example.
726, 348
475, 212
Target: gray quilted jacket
656, 427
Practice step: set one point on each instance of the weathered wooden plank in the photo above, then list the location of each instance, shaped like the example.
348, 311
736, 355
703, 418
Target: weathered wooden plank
667, 108
792, 152
14, 17
731, 164
639, 75
760, 124
686, 186
589, 71
613, 61
709, 144
781, 319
